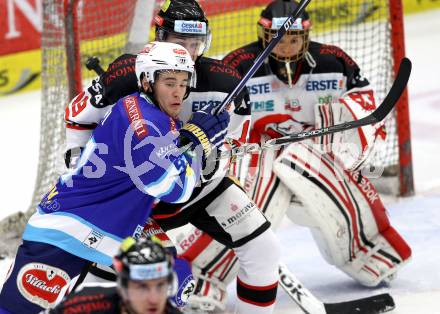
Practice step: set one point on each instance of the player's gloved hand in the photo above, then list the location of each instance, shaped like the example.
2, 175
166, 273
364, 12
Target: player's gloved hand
206, 129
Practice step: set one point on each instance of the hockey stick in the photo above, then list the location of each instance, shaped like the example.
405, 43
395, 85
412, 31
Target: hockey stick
380, 303
92, 63
378, 115
263, 55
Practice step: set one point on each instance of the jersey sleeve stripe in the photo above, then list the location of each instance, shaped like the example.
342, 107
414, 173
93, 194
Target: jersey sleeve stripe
73, 237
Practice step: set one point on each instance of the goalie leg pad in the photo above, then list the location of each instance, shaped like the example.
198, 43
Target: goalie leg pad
345, 214
270, 195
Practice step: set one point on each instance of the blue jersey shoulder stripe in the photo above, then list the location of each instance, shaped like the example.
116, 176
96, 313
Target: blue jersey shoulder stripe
67, 243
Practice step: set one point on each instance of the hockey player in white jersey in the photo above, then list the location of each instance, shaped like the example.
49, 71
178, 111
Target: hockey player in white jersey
319, 184
219, 206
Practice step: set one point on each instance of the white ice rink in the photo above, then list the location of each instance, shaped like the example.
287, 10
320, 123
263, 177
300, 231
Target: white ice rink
417, 288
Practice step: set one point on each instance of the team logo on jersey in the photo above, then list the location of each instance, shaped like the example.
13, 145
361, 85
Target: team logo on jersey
41, 284
322, 85
185, 291
292, 105
93, 239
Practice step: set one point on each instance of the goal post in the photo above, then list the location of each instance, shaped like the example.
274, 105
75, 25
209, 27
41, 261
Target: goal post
405, 175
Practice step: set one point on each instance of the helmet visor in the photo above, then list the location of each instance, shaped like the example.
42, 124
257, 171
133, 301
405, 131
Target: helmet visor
195, 36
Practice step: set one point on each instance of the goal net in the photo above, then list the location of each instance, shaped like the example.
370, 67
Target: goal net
371, 31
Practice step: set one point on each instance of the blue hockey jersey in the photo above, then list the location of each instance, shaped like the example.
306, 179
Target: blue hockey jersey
131, 160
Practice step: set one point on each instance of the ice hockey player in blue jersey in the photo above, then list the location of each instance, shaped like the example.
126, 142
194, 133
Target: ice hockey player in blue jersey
144, 279
134, 157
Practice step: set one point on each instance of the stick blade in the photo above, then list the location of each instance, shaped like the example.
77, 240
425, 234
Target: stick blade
396, 90
375, 304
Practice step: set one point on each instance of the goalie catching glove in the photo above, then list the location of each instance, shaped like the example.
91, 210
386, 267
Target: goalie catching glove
205, 129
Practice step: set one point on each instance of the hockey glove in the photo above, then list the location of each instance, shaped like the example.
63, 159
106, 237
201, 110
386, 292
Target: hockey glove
206, 129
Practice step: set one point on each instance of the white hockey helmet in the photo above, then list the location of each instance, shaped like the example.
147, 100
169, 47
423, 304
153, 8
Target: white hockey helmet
163, 56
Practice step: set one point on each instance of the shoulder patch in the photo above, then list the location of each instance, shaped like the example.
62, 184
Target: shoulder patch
135, 117
41, 284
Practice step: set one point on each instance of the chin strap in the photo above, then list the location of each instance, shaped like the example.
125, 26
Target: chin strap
289, 73
309, 58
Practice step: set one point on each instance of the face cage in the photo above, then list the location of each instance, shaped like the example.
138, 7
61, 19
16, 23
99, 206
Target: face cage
267, 37
162, 34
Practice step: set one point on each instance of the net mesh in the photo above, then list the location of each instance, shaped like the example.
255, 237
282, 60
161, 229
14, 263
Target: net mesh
359, 27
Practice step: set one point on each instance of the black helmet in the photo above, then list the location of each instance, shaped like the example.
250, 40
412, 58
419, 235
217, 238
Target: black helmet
271, 19
183, 18
143, 259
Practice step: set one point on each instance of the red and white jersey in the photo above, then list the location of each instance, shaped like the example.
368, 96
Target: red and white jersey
323, 76
291, 109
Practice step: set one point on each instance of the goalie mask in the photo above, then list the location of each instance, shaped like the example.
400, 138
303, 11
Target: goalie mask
184, 22
293, 45
159, 57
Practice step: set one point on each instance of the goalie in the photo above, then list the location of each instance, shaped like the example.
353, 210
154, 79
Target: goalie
320, 185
